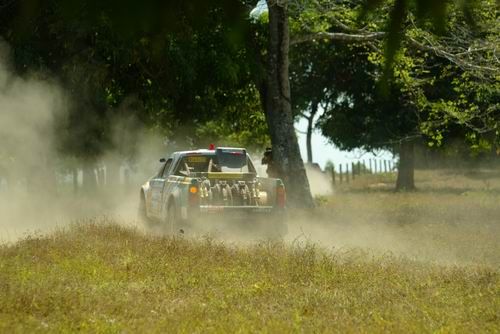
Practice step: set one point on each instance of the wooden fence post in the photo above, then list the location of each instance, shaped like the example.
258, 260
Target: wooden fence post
385, 166
346, 172
353, 170
340, 173
332, 170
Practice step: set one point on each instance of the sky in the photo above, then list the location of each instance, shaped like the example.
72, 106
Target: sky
260, 8
324, 151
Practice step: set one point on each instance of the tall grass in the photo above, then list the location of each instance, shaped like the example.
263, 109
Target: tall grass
101, 277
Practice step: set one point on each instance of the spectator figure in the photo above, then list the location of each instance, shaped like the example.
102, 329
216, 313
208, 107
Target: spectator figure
267, 159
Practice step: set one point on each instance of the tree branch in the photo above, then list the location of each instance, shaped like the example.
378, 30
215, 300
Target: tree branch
300, 131
338, 36
454, 58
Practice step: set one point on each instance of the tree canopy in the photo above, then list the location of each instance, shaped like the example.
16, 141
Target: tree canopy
443, 83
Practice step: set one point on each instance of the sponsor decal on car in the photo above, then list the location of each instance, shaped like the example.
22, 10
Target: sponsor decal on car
225, 176
197, 159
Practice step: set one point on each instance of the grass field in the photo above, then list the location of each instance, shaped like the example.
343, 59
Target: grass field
368, 260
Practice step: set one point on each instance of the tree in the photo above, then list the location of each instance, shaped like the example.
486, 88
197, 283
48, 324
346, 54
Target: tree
360, 116
312, 73
462, 98
286, 153
460, 51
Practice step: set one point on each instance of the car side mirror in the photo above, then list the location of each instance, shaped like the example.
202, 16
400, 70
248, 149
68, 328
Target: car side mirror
162, 160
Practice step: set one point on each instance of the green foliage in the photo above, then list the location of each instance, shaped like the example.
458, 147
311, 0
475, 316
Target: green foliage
241, 124
344, 78
433, 15
444, 88
460, 97
357, 113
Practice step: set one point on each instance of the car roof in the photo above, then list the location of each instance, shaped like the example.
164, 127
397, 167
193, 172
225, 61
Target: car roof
204, 151
200, 151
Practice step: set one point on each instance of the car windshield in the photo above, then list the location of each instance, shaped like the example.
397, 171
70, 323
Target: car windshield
205, 163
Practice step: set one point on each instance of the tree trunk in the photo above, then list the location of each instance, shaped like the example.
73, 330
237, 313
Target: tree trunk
309, 140
310, 127
286, 152
406, 168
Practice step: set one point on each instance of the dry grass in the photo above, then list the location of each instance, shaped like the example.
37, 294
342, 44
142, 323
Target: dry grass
375, 261
451, 219
98, 277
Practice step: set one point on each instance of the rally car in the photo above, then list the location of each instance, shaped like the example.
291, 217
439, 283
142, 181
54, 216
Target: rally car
208, 185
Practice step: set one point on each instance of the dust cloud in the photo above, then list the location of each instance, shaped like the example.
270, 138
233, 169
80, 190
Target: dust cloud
319, 181
28, 107
41, 188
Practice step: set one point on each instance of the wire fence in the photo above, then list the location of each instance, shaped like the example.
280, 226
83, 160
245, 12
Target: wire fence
348, 171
